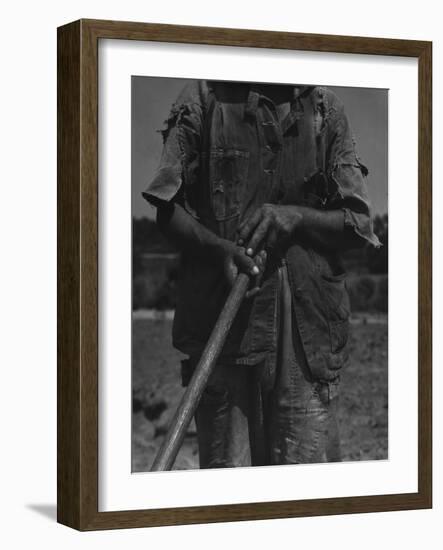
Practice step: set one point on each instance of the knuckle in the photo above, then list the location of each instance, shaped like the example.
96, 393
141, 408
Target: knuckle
246, 261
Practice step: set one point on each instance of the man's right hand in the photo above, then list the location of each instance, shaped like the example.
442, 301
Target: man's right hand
234, 260
194, 238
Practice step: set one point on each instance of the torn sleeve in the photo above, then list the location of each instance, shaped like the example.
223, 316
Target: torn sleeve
362, 225
177, 175
347, 177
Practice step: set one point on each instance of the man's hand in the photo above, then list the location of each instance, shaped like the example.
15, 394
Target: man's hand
233, 260
194, 238
269, 225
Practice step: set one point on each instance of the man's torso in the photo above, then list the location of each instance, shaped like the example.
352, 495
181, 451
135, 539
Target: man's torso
254, 151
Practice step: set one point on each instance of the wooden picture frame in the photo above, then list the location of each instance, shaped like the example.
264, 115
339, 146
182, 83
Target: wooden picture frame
77, 457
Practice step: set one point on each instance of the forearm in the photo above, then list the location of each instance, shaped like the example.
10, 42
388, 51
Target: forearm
327, 229
276, 226
196, 240
324, 228
186, 232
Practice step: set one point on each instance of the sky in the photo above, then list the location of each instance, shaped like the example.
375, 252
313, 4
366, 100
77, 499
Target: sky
152, 97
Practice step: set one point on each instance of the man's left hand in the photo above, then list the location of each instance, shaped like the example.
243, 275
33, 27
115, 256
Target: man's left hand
269, 225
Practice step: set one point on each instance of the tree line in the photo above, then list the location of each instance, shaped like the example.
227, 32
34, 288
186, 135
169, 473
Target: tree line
148, 239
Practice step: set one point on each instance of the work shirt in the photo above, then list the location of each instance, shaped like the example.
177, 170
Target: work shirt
226, 153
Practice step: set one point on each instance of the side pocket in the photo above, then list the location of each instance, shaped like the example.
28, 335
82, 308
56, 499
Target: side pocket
339, 331
337, 298
228, 172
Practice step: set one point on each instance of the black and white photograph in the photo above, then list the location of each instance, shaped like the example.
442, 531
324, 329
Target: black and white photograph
219, 280
288, 185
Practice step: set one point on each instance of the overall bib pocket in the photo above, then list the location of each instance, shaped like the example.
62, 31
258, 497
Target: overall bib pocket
228, 175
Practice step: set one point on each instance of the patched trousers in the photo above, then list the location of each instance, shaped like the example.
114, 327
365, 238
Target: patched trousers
270, 413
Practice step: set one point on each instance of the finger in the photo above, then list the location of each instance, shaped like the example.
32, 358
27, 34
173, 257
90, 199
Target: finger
246, 227
258, 236
231, 273
246, 264
253, 218
259, 279
260, 260
253, 292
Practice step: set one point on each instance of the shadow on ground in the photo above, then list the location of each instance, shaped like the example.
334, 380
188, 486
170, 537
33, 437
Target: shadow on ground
48, 511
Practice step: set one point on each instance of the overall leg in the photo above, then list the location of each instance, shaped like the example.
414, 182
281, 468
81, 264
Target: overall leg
222, 419
301, 414
333, 449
